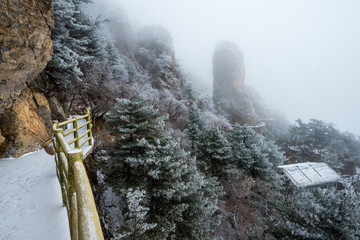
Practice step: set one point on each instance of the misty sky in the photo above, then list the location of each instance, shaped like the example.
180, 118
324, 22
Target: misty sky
302, 56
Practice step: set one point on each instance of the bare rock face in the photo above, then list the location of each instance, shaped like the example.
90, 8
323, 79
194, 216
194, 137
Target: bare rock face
230, 94
57, 111
25, 50
27, 124
228, 67
25, 45
2, 143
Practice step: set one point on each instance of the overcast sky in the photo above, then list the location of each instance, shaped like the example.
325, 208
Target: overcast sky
302, 56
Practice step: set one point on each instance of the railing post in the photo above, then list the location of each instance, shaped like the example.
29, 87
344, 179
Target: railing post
59, 167
88, 119
73, 156
57, 145
76, 133
76, 190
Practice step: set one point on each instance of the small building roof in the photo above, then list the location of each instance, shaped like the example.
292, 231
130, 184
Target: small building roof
310, 174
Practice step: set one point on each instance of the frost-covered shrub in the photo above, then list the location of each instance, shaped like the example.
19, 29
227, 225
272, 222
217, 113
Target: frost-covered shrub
217, 121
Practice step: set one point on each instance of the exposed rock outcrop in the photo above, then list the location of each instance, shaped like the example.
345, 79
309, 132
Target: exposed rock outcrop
228, 67
25, 50
27, 124
57, 111
2, 143
231, 96
25, 45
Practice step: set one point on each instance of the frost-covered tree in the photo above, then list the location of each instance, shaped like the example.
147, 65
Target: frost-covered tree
320, 141
195, 126
275, 155
154, 50
181, 202
318, 214
254, 154
64, 66
217, 121
97, 90
77, 38
155, 38
187, 92
85, 65
120, 67
136, 224
206, 102
214, 151
241, 154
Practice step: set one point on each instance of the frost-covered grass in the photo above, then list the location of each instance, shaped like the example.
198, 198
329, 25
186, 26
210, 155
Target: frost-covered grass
30, 199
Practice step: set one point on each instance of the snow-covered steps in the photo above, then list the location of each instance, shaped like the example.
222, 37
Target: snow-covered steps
30, 199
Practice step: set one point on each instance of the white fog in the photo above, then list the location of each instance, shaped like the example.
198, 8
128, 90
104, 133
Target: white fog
301, 56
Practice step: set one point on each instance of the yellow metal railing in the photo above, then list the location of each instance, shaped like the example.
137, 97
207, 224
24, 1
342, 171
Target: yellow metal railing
75, 186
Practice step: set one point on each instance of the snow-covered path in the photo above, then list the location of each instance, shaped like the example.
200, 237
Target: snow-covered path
30, 199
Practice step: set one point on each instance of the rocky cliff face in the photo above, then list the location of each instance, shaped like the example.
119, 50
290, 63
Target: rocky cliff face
26, 125
25, 50
25, 41
231, 96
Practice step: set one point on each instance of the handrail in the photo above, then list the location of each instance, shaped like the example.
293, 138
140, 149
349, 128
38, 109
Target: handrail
351, 179
76, 191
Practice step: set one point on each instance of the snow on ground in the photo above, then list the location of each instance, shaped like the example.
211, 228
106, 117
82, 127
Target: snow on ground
30, 199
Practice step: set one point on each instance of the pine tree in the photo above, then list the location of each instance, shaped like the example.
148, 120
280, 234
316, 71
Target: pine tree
215, 151
118, 65
77, 38
85, 35
64, 66
181, 202
195, 126
136, 217
254, 154
275, 155
241, 154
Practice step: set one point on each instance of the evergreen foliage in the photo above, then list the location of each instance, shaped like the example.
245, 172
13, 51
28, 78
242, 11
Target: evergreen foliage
181, 202
214, 151
77, 39
320, 141
154, 50
254, 154
165, 196
136, 217
195, 126
64, 66
326, 214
